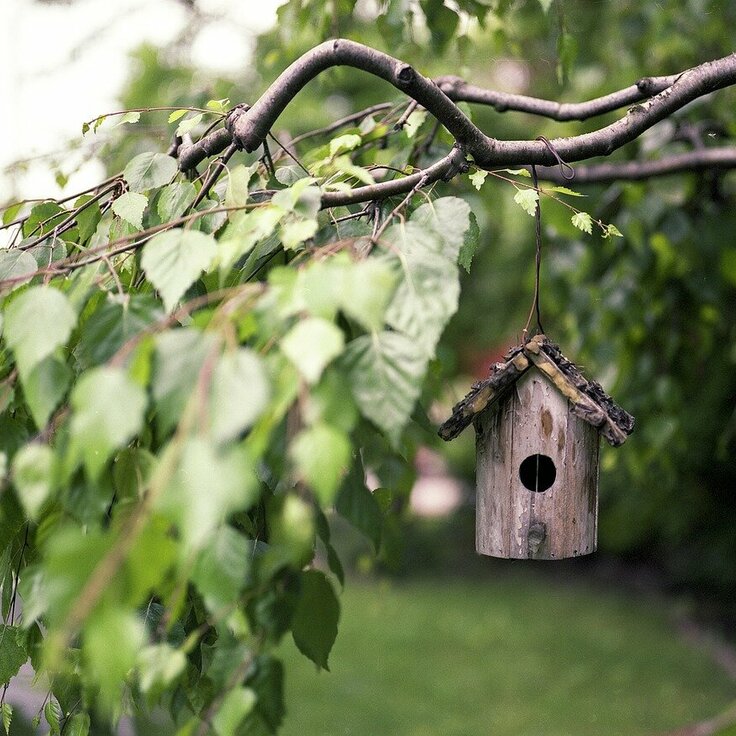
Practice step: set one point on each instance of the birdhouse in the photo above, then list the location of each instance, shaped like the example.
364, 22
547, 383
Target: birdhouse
537, 423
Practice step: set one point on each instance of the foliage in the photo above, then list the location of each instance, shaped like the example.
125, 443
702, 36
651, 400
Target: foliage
192, 377
183, 401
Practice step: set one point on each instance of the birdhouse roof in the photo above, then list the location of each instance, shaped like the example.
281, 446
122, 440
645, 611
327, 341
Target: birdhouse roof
587, 399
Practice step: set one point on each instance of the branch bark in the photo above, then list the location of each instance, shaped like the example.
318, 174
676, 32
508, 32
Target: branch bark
458, 90
705, 158
248, 127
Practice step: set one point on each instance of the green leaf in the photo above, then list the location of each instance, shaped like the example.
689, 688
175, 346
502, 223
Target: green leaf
243, 232
220, 105
236, 705
52, 713
514, 172
88, 216
314, 626
10, 212
149, 563
567, 51
220, 570
414, 122
130, 207
178, 360
427, 296
149, 170
17, 265
441, 20
113, 323
174, 200
302, 197
321, 454
45, 386
238, 179
527, 199
366, 292
209, 485
43, 218
12, 655
470, 244
612, 230
32, 477
477, 178
6, 711
311, 345
356, 504
108, 411
386, 371
296, 232
159, 666
175, 259
186, 126
129, 117
52, 249
564, 190
174, 116
583, 221
267, 680
77, 725
449, 217
36, 323
344, 143
112, 639
240, 393
291, 530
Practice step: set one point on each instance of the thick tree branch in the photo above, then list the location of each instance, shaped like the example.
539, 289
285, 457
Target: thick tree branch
704, 158
248, 127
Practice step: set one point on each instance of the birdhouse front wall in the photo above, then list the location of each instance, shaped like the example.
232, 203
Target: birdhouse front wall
537, 476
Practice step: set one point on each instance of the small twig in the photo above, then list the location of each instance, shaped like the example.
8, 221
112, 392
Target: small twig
285, 149
342, 122
68, 222
220, 165
401, 122
376, 236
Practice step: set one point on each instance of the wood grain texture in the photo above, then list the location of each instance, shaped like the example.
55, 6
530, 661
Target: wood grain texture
513, 521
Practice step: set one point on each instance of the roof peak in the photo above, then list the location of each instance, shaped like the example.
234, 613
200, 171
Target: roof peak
587, 399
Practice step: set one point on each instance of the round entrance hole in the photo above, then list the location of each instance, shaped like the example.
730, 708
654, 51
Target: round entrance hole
537, 473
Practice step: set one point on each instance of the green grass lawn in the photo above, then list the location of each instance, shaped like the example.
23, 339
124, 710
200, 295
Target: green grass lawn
511, 655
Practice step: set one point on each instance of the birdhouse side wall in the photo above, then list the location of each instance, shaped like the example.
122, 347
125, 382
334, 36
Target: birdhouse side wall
514, 521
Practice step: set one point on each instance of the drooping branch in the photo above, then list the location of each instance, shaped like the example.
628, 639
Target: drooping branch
704, 158
248, 127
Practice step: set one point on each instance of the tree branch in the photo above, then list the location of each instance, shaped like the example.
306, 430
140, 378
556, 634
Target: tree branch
248, 127
458, 90
705, 158
445, 168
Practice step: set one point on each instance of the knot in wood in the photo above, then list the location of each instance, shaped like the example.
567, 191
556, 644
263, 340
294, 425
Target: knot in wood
405, 74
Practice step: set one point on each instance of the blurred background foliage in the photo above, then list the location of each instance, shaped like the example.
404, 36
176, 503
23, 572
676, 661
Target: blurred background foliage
651, 315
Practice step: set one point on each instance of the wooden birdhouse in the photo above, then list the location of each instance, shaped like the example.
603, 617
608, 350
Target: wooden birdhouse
537, 423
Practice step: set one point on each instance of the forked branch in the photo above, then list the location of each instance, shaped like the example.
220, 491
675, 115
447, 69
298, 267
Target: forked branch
655, 98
